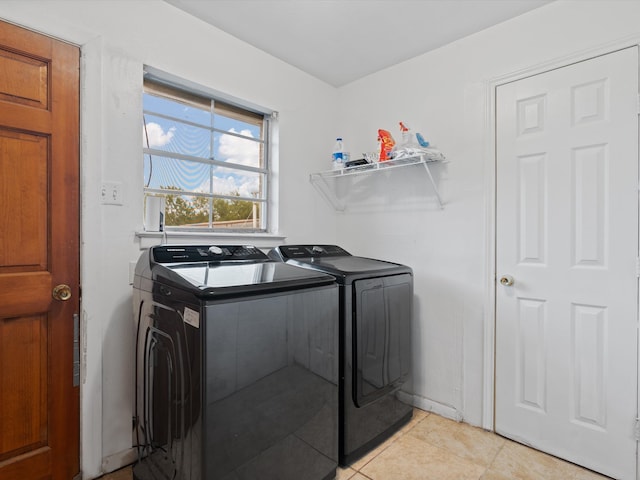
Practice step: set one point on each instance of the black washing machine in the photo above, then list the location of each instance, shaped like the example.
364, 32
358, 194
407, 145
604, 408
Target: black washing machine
376, 309
236, 366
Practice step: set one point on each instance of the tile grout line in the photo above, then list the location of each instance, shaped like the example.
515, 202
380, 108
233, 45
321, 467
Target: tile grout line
393, 439
504, 443
465, 459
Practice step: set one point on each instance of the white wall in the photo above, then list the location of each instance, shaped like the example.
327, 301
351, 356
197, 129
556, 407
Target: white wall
117, 39
443, 95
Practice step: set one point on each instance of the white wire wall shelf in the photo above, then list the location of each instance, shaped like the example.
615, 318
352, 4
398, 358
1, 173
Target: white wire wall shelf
320, 179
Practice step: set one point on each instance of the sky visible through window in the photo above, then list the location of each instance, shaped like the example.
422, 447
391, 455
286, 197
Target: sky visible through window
196, 139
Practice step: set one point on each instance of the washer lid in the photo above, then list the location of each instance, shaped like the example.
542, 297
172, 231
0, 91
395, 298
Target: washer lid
227, 271
209, 276
212, 281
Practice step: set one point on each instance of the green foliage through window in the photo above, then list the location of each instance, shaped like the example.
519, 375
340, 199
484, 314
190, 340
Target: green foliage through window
181, 211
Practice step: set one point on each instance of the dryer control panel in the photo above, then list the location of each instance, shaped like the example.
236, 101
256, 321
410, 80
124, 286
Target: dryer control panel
306, 251
206, 253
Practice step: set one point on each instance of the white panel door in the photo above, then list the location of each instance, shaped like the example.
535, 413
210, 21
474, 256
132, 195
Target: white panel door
567, 235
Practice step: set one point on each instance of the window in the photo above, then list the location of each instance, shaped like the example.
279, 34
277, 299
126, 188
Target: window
207, 158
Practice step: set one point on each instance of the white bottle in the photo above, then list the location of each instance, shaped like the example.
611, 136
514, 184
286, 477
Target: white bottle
338, 154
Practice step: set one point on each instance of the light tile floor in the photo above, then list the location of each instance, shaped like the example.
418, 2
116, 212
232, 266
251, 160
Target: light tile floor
434, 448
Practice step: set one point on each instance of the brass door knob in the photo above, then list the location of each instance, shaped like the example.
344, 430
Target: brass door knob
506, 280
61, 292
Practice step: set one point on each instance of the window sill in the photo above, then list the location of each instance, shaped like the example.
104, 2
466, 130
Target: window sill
260, 240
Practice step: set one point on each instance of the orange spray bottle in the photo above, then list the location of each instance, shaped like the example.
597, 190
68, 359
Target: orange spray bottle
386, 144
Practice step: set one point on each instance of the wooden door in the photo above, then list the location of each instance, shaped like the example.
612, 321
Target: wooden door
567, 236
39, 212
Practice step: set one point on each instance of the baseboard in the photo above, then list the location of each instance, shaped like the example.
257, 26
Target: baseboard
118, 460
428, 405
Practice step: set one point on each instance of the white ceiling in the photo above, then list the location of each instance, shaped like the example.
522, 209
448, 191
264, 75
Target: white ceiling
339, 41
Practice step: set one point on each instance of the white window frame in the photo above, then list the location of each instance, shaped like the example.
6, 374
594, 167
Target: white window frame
268, 214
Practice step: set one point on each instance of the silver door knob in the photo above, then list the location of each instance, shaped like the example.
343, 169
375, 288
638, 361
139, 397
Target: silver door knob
506, 280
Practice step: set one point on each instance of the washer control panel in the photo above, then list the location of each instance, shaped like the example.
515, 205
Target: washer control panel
206, 253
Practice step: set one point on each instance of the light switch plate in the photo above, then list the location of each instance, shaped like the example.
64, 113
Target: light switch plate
111, 193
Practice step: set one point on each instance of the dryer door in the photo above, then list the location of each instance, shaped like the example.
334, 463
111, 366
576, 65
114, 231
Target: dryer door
382, 335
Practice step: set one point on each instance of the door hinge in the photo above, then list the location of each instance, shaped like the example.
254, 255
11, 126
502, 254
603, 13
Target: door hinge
638, 267
76, 350
636, 430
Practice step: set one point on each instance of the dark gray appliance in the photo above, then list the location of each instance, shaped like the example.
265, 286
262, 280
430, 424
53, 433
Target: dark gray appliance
236, 366
376, 305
